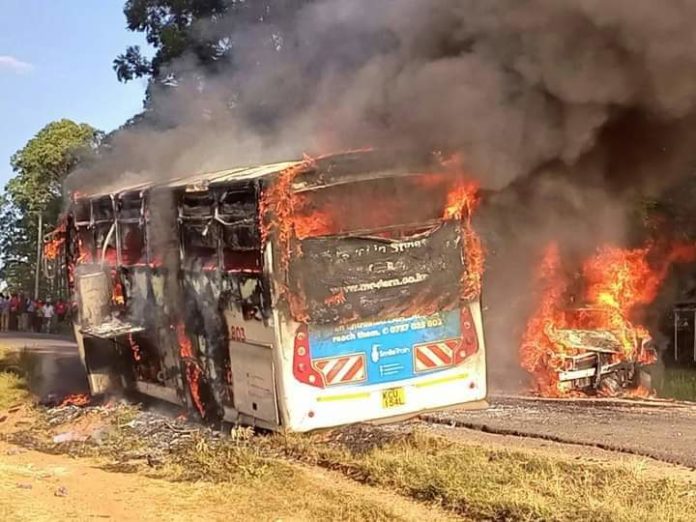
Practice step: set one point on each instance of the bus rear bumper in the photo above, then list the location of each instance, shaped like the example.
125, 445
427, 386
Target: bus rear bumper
469, 406
387, 404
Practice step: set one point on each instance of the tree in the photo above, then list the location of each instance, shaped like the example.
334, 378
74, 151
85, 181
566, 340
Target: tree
170, 27
200, 29
40, 169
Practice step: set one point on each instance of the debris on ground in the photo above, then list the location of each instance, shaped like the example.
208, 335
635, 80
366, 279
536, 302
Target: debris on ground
69, 437
361, 438
125, 434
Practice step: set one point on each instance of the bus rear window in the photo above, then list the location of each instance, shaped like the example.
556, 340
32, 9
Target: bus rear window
384, 248
385, 207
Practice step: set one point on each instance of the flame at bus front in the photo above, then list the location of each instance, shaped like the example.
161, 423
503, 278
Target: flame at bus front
616, 283
54, 246
193, 371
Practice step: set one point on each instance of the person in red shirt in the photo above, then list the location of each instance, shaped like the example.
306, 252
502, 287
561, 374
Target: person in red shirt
14, 312
60, 310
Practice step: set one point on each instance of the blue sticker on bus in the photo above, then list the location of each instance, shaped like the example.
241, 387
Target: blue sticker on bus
387, 346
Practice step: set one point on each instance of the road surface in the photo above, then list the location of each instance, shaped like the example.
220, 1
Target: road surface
52, 361
659, 429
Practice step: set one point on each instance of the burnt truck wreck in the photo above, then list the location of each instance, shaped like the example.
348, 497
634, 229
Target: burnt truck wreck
598, 362
276, 295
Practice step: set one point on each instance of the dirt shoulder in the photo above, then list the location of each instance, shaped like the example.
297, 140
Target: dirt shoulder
37, 486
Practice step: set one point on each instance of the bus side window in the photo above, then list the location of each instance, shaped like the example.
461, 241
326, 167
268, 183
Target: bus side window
132, 244
242, 251
241, 237
85, 245
131, 229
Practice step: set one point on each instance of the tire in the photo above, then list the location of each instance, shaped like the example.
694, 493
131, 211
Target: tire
609, 387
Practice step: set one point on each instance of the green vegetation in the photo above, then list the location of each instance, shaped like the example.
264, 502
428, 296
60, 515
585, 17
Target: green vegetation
344, 474
40, 169
486, 484
13, 386
12, 390
678, 383
174, 29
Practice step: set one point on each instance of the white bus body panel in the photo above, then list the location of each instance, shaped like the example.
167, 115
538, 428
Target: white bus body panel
306, 407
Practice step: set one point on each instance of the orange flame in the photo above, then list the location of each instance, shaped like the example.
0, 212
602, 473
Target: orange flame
617, 283
83, 255
117, 296
193, 371
291, 216
462, 200
277, 208
78, 399
53, 247
539, 355
135, 348
337, 298
312, 225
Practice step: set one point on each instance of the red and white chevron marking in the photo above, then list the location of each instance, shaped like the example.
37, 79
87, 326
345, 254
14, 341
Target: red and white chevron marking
342, 370
434, 355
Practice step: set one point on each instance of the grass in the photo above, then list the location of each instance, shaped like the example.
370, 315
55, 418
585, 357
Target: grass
13, 385
272, 476
269, 477
678, 383
243, 474
486, 484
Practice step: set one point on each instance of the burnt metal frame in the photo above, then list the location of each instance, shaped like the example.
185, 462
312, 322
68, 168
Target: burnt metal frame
215, 221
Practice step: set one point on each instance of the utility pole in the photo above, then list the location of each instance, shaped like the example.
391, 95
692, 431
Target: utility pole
39, 244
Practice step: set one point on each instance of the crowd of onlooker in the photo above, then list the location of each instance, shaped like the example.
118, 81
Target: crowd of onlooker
24, 314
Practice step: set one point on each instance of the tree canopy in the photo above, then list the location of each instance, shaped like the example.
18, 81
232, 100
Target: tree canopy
170, 27
203, 30
40, 168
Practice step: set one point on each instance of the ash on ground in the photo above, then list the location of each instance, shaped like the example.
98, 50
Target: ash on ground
123, 431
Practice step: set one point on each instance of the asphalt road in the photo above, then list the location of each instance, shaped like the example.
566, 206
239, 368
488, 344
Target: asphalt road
659, 429
52, 361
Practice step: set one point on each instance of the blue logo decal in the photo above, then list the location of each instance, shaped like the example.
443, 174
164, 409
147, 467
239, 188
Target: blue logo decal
387, 345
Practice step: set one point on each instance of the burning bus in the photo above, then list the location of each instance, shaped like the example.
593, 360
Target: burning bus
296, 295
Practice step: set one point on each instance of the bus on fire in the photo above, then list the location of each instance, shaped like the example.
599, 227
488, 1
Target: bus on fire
297, 295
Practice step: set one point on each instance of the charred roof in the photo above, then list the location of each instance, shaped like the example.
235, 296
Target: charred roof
322, 171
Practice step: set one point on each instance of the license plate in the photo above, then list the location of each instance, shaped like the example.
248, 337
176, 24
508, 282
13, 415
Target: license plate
393, 397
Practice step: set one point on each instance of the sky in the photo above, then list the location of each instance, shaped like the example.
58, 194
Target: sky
56, 62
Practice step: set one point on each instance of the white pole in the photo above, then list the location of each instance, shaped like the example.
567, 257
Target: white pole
38, 257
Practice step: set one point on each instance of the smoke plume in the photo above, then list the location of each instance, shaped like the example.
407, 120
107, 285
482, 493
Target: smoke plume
512, 84
565, 110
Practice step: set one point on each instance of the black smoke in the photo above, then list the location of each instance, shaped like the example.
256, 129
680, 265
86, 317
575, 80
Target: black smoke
565, 111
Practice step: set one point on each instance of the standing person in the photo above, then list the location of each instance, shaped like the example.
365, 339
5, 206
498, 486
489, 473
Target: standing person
60, 311
31, 308
37, 318
48, 313
4, 312
14, 315
23, 315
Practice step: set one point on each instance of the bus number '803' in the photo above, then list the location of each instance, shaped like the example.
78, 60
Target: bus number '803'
237, 333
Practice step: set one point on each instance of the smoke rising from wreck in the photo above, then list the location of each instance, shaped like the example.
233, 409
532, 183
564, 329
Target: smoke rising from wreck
566, 110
